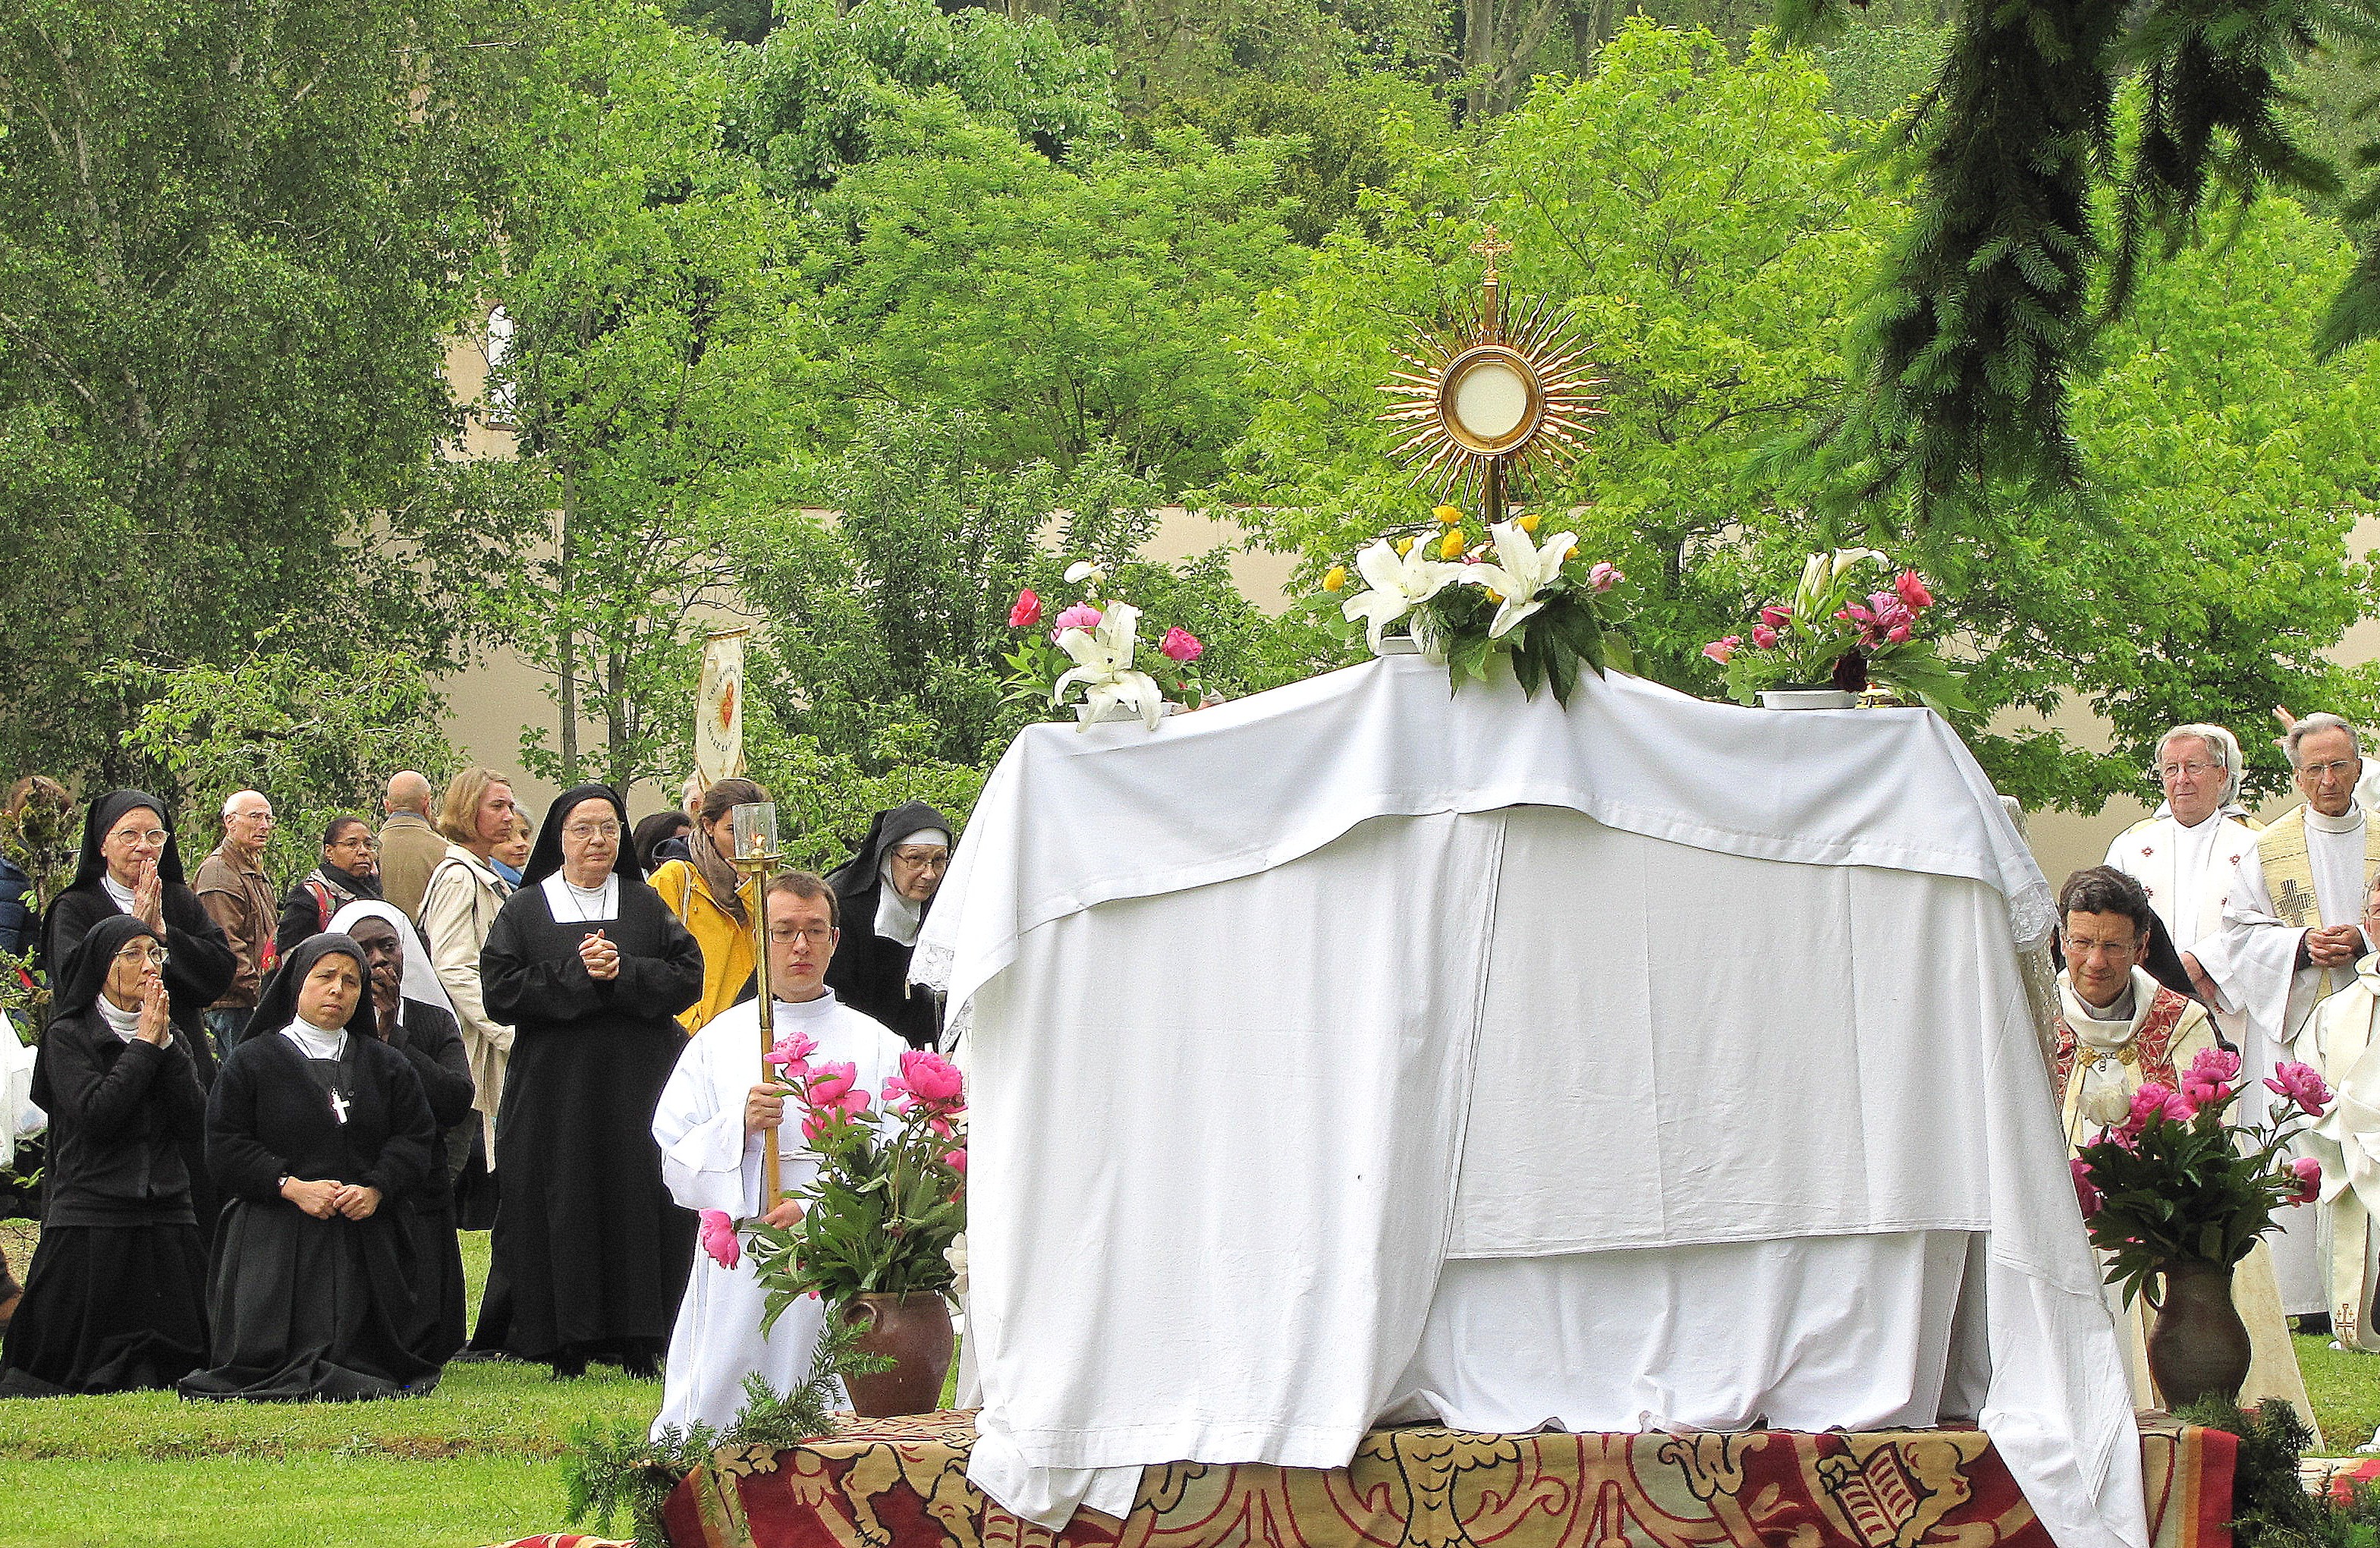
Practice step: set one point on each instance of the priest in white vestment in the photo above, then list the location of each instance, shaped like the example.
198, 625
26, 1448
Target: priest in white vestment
2346, 1139
713, 1118
2290, 938
2185, 857
2117, 1030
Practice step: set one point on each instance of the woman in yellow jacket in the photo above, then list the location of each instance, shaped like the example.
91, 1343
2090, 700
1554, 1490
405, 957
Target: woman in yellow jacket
713, 904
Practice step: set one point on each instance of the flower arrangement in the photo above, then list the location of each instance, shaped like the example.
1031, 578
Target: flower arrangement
1829, 635
891, 1190
2175, 1183
1101, 643
1465, 602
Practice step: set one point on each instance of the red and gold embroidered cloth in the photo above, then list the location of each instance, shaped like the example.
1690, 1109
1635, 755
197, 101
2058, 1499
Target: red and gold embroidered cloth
902, 1484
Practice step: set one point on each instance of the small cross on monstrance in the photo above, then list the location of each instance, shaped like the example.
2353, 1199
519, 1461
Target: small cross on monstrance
1482, 402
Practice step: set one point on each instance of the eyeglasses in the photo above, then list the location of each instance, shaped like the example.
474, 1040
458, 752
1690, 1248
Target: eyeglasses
2339, 768
924, 860
785, 936
144, 956
2175, 771
583, 831
360, 841
154, 835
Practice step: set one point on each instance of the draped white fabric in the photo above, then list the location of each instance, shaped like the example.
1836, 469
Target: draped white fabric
1270, 1022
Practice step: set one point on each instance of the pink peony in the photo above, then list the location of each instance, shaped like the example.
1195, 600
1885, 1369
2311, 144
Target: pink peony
2216, 1064
1776, 618
2308, 1172
1720, 649
1082, 616
1898, 634
956, 1161
926, 1077
2154, 1099
831, 1083
2086, 1193
815, 1125
1604, 576
791, 1054
2302, 1085
719, 1238
1912, 587
1763, 637
1181, 645
1027, 611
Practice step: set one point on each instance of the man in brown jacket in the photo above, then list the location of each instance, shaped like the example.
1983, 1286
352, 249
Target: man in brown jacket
232, 885
410, 847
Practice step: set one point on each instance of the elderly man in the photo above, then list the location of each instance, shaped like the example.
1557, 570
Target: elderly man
237, 895
2291, 937
410, 844
2339, 1043
2184, 857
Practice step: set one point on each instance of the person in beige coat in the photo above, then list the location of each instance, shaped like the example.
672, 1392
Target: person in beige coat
410, 845
458, 908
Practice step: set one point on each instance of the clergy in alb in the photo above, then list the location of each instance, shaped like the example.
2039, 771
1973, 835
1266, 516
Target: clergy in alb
589, 1253
410, 1014
2117, 1030
2290, 938
715, 1116
2346, 1139
117, 1296
317, 1131
2185, 856
884, 893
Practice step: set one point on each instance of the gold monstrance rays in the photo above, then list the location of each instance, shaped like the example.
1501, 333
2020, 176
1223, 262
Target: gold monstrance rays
1484, 400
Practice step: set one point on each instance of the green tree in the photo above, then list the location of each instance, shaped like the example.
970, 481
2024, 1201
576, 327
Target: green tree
231, 240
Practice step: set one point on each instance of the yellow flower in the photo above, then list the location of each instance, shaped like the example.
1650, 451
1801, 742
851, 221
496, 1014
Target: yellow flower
1494, 595
1335, 579
1447, 516
1452, 544
1404, 545
1527, 523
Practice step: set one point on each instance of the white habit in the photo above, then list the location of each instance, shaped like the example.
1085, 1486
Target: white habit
2186, 871
2346, 1142
709, 1163
2253, 961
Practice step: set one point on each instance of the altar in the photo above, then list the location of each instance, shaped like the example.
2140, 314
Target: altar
1363, 1054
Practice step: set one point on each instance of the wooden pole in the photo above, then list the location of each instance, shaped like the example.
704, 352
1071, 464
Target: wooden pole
772, 1187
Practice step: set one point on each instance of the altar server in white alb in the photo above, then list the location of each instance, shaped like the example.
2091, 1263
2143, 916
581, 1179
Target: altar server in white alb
2341, 1043
2291, 937
2185, 857
714, 1117
2117, 1030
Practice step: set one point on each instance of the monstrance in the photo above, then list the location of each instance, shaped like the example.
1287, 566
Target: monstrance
754, 830
1485, 399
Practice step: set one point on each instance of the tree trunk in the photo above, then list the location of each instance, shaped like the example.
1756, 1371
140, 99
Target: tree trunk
567, 636
1478, 55
615, 717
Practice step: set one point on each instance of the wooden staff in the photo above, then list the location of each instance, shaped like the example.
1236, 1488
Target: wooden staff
772, 1187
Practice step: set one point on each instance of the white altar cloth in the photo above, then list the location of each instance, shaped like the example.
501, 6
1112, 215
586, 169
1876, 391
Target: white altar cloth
1279, 1009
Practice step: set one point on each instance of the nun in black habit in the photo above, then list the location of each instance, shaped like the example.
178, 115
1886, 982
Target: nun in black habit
886, 891
117, 1296
130, 865
317, 1130
589, 1253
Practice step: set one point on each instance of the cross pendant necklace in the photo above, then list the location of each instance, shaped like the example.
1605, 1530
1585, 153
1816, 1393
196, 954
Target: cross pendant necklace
338, 1106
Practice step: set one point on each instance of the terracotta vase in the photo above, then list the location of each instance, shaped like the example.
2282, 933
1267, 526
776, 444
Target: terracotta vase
915, 1330
2199, 1348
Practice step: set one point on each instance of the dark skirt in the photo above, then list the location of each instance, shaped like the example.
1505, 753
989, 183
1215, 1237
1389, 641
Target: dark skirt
437, 1328
311, 1308
108, 1308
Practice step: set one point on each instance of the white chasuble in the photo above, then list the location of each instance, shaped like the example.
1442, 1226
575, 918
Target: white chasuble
2186, 871
2103, 1059
709, 1163
2346, 1142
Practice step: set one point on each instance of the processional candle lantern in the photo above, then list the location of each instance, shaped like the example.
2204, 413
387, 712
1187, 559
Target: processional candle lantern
1484, 398
754, 838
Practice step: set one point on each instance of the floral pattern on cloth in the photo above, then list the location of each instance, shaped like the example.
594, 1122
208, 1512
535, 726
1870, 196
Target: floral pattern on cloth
2149, 1051
902, 1484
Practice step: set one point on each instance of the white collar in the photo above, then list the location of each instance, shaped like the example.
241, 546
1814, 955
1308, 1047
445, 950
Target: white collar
2348, 823
808, 1010
316, 1043
575, 904
123, 896
2088, 1022
125, 1024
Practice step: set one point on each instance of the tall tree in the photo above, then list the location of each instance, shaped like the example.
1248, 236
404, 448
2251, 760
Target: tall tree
232, 238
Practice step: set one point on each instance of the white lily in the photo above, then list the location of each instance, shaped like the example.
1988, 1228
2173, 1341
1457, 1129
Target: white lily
1103, 665
1400, 583
1520, 571
1084, 572
1845, 559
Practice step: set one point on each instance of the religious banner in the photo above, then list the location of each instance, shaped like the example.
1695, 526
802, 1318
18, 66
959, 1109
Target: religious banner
719, 708
902, 1484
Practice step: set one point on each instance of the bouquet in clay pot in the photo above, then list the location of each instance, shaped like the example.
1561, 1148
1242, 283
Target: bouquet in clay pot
891, 1190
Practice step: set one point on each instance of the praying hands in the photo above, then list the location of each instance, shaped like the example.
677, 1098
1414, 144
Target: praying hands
601, 956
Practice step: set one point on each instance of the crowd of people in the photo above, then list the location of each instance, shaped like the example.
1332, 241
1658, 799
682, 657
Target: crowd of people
271, 1110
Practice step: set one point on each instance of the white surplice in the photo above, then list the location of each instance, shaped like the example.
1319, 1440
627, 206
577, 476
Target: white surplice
2339, 1043
709, 1163
2185, 871
2253, 961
